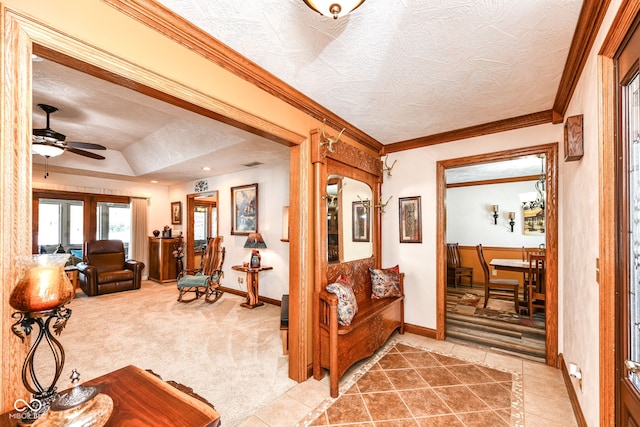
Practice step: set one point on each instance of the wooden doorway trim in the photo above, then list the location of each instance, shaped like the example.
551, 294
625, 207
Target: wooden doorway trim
620, 26
20, 34
551, 153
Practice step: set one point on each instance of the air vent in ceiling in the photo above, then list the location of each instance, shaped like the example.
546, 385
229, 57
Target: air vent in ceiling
252, 164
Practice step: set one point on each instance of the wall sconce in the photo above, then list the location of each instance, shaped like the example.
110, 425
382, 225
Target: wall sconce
494, 208
386, 168
285, 224
512, 216
39, 298
328, 141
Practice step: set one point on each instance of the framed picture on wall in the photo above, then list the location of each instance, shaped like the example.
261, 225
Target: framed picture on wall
244, 209
410, 220
360, 221
176, 212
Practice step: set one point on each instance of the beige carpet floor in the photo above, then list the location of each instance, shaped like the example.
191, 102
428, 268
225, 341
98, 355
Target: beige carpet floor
230, 355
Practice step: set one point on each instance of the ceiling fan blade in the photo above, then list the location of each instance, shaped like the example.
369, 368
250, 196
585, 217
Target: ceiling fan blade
84, 153
87, 145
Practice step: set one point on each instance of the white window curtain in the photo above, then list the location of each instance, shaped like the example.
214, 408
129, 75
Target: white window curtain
139, 248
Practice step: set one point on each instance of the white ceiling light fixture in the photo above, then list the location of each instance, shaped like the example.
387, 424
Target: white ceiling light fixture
333, 8
46, 150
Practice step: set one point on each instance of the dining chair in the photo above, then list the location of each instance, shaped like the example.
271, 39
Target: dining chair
495, 285
536, 288
455, 271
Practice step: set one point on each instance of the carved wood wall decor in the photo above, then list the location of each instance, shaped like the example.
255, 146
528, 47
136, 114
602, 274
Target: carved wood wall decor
353, 156
573, 142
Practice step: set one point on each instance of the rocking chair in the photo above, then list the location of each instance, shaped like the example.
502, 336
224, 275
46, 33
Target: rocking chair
206, 279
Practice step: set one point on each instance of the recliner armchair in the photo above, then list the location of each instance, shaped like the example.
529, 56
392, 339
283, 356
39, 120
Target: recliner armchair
105, 270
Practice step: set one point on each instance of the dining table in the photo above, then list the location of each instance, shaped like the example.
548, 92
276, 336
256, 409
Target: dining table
510, 264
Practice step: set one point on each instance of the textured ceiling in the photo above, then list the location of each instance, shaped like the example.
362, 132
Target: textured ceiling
404, 69
396, 70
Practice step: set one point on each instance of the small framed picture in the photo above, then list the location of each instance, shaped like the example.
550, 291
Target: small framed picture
176, 212
360, 221
410, 220
244, 209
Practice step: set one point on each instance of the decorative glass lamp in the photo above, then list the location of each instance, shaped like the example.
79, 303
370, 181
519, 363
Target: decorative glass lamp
39, 297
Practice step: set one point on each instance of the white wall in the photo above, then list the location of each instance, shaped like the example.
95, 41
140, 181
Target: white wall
415, 175
273, 194
470, 217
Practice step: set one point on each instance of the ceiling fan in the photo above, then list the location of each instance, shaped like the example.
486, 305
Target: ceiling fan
49, 143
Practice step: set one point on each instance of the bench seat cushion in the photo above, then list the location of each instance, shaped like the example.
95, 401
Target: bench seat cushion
115, 276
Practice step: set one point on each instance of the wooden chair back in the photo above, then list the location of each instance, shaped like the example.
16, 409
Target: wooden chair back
213, 257
453, 255
536, 284
483, 263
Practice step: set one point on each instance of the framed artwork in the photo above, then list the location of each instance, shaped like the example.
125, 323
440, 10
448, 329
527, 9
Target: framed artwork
533, 221
360, 221
410, 220
573, 139
176, 212
244, 209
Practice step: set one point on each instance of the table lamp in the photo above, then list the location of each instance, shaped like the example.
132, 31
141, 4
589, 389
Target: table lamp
39, 298
255, 242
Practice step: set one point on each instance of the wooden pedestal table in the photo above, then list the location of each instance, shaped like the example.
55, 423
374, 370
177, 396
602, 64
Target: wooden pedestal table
252, 284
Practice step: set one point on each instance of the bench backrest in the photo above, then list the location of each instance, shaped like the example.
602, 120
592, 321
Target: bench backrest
358, 271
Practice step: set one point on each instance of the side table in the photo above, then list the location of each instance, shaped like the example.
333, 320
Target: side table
141, 398
252, 284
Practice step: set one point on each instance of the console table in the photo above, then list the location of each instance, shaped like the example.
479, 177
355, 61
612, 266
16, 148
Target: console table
252, 284
141, 398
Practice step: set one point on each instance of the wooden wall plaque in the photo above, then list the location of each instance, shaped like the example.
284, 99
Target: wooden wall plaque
573, 142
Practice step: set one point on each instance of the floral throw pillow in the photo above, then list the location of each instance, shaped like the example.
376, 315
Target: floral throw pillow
385, 283
347, 304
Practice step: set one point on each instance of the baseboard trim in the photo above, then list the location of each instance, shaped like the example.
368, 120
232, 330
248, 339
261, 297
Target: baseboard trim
573, 397
244, 294
420, 330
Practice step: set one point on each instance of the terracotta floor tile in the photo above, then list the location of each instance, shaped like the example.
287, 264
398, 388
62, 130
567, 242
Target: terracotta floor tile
469, 374
405, 379
393, 361
441, 421
424, 402
482, 419
397, 423
438, 376
505, 414
460, 399
446, 360
385, 406
496, 374
374, 381
320, 421
403, 348
421, 359
493, 394
349, 408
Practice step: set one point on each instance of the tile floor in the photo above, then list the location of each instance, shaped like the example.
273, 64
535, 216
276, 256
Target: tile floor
546, 402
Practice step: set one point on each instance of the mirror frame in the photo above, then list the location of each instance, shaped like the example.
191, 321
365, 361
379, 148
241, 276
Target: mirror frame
350, 162
191, 201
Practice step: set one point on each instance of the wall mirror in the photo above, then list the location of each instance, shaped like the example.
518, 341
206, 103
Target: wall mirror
349, 221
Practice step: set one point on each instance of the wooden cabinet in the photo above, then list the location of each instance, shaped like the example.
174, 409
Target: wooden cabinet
162, 263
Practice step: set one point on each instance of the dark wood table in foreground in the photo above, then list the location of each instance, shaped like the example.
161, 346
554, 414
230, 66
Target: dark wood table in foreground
142, 399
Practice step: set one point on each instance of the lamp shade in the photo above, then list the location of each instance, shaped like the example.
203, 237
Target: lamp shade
333, 8
255, 241
43, 284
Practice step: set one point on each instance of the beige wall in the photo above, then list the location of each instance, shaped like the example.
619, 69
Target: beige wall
580, 246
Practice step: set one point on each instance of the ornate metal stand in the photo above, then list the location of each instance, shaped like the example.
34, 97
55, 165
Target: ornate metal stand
42, 397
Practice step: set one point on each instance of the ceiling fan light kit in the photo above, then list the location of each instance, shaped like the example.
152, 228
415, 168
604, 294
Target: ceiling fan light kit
332, 8
46, 150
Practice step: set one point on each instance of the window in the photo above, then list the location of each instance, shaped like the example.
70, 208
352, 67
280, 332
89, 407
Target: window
60, 222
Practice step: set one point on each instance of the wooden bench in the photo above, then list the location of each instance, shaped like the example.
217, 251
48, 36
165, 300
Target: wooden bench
338, 347
284, 323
